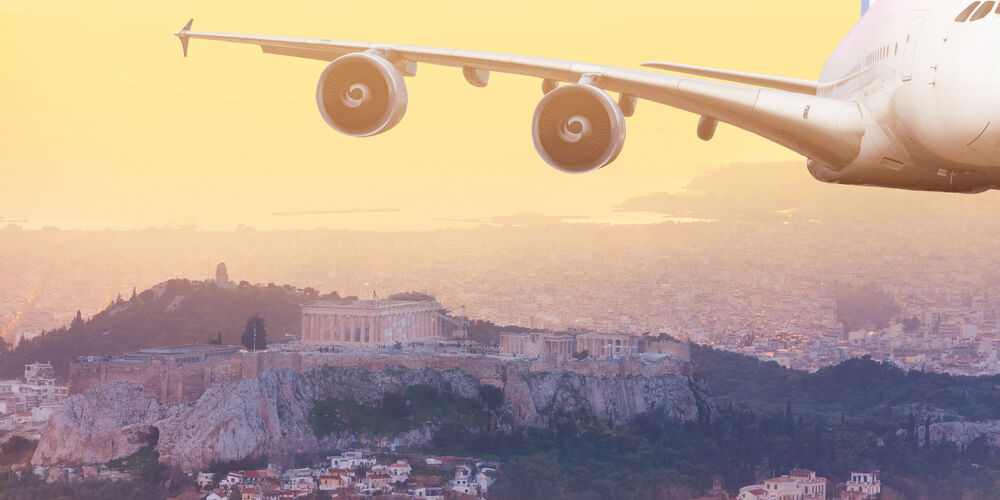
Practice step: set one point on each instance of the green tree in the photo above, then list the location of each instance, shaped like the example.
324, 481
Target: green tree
395, 405
77, 322
492, 397
255, 334
789, 419
927, 432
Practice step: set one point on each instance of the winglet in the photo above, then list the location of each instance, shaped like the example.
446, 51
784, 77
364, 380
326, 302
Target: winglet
182, 34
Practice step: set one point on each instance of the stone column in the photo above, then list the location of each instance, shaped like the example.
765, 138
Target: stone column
332, 321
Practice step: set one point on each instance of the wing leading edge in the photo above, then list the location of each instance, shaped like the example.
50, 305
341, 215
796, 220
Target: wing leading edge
823, 129
772, 82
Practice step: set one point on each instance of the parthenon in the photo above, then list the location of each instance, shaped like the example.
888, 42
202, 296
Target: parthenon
370, 322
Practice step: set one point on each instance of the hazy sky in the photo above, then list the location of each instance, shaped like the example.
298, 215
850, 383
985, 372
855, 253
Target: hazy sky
103, 123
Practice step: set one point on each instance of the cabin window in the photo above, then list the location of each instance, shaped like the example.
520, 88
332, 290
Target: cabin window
964, 15
984, 9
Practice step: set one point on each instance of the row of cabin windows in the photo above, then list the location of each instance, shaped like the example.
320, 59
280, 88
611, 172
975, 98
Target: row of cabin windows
976, 13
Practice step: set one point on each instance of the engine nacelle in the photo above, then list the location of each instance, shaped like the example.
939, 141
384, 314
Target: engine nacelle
578, 128
361, 94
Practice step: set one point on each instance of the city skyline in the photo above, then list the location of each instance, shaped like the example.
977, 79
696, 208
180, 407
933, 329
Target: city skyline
766, 267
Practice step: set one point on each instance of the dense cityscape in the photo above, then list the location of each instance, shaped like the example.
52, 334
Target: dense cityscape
756, 271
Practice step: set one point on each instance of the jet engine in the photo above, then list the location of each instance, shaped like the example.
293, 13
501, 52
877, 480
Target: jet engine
578, 128
361, 94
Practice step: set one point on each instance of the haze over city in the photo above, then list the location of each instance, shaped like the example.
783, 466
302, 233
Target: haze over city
731, 256
208, 294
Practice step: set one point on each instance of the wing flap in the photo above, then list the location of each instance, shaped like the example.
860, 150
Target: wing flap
319, 54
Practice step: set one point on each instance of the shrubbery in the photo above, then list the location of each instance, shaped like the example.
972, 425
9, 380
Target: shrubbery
187, 312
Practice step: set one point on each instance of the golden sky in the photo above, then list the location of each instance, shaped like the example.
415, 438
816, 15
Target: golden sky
104, 124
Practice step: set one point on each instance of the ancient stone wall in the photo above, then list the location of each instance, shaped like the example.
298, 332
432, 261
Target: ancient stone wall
184, 383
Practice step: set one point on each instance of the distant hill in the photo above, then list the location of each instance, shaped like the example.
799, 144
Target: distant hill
174, 312
785, 192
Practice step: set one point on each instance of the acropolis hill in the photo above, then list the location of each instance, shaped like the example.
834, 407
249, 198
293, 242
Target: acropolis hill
201, 404
181, 374
374, 335
198, 404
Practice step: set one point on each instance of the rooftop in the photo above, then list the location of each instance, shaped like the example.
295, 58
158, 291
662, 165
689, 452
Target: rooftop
369, 304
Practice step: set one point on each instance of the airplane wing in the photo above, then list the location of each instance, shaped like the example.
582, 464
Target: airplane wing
772, 82
823, 129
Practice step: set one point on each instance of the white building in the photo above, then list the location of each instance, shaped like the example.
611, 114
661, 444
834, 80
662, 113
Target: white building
351, 460
370, 322
863, 485
37, 389
799, 484
400, 471
463, 482
753, 492
205, 479
26, 405
485, 478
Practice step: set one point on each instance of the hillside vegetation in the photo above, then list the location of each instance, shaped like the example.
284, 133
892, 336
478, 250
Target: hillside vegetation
175, 312
856, 387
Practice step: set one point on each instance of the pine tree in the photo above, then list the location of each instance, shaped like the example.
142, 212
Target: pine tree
134, 295
911, 431
789, 419
255, 334
927, 432
77, 322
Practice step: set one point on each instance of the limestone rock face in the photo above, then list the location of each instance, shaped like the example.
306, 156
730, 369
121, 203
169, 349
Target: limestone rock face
961, 433
533, 397
269, 414
101, 424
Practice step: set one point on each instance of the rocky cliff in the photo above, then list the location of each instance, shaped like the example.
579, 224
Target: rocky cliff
960, 433
269, 414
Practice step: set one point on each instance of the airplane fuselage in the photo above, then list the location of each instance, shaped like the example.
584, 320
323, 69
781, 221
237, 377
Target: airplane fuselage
926, 85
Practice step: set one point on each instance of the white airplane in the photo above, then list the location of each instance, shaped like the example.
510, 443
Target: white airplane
907, 100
